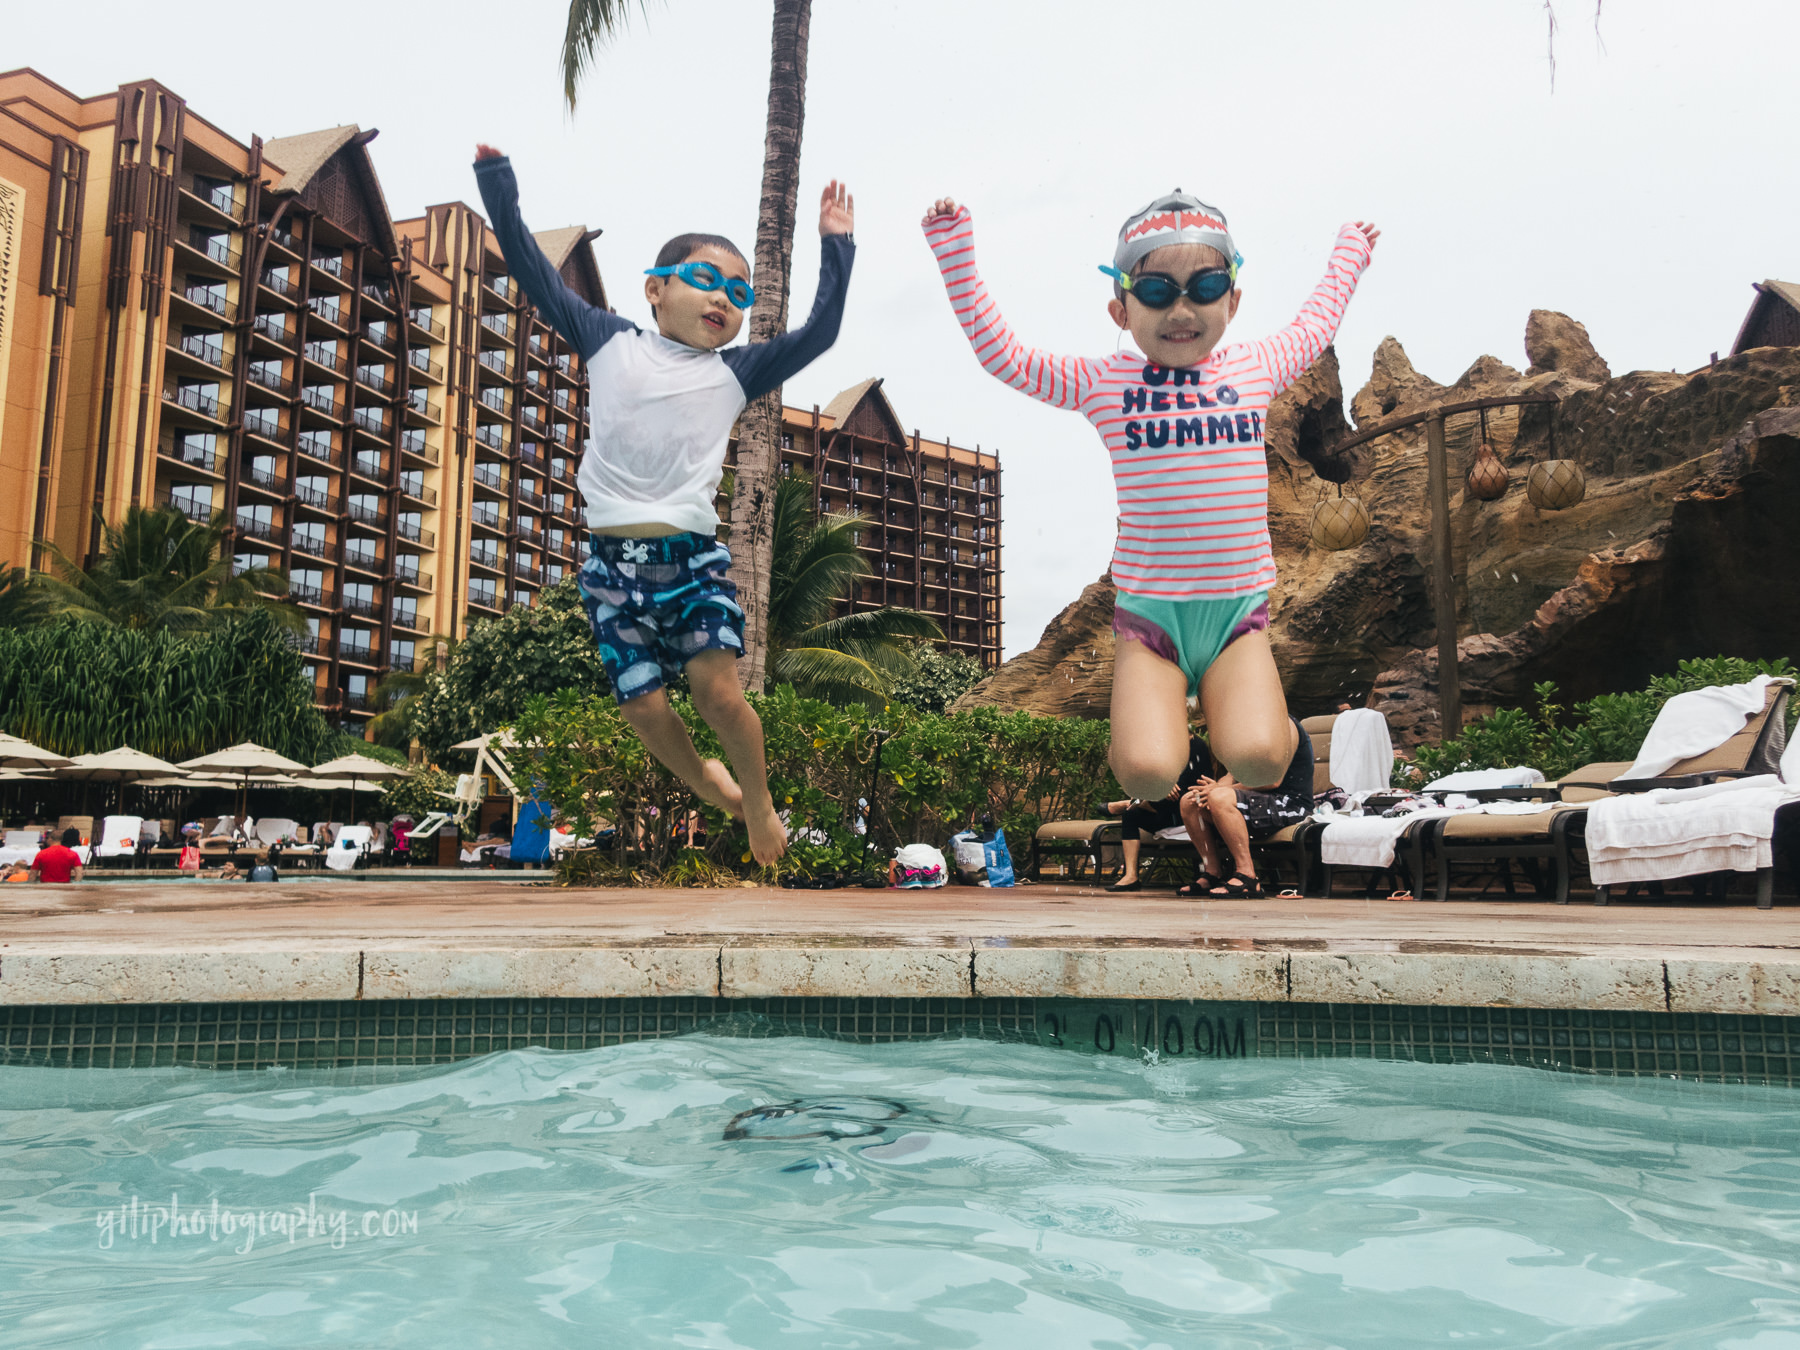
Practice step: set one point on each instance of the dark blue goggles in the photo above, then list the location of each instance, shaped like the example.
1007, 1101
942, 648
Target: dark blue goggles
1158, 291
705, 277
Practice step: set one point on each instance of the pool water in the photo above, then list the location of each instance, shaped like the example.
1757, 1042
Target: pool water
713, 1191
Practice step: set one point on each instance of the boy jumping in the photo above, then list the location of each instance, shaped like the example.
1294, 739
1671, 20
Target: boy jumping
1184, 425
661, 409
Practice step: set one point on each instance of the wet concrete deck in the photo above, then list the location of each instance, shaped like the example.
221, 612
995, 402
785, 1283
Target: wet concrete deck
495, 936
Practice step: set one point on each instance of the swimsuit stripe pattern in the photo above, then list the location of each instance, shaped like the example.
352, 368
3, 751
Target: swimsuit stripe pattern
1186, 445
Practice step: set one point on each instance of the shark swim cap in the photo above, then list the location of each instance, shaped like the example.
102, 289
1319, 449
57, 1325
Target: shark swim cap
1177, 218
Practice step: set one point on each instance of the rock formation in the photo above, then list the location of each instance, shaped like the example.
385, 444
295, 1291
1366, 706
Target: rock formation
1681, 547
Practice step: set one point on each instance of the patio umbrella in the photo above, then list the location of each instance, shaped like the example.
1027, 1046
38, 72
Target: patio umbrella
21, 754
243, 762
363, 771
123, 765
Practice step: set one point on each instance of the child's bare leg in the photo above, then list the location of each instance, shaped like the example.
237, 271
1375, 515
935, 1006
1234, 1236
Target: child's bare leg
712, 676
1149, 721
1246, 712
666, 736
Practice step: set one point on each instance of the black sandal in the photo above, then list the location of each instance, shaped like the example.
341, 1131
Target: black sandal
1135, 884
1238, 886
1199, 888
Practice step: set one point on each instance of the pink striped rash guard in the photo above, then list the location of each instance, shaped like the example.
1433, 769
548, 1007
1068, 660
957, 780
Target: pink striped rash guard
1186, 444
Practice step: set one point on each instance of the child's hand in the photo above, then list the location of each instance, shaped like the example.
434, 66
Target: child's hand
942, 207
837, 210
485, 151
1369, 231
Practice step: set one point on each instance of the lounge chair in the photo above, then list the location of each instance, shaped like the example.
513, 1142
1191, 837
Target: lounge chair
117, 841
1556, 835
1551, 834
20, 845
348, 850
1088, 840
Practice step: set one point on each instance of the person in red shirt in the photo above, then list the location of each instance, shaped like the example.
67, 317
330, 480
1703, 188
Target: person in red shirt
60, 862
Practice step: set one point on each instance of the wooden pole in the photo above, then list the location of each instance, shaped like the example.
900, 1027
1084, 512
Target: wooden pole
1443, 586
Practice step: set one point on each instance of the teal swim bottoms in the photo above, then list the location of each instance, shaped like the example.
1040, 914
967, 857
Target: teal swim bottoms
1190, 633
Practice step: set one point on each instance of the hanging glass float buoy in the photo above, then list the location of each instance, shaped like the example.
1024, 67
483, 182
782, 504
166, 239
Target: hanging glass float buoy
1339, 522
1556, 484
1487, 479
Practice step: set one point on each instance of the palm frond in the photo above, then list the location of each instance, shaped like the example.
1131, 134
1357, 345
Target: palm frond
835, 676
592, 24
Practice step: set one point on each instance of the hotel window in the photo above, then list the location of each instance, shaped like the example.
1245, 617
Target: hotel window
401, 653
482, 591
307, 583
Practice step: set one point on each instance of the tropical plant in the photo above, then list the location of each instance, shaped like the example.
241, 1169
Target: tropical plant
21, 598
1608, 728
501, 663
915, 777
78, 688
854, 657
158, 569
941, 678
395, 720
591, 24
417, 795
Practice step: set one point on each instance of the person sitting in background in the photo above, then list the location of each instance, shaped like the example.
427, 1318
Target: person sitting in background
19, 871
1222, 818
230, 872
1162, 814
59, 863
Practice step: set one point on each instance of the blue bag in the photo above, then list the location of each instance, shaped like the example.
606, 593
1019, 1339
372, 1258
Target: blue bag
999, 860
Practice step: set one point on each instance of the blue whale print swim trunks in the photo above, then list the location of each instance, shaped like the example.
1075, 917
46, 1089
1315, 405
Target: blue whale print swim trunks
655, 604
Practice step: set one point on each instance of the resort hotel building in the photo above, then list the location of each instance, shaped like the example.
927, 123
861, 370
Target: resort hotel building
370, 404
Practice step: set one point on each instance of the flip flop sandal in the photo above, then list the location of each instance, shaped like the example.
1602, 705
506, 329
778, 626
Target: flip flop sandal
1119, 887
1237, 886
1199, 888
1290, 894
1401, 895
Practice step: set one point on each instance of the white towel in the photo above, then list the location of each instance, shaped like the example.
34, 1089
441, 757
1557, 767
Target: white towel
1684, 832
1368, 841
1692, 723
1473, 780
1173, 834
1362, 752
1790, 762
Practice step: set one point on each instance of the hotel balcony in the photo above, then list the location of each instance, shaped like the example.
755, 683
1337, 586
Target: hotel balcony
420, 318
198, 402
413, 442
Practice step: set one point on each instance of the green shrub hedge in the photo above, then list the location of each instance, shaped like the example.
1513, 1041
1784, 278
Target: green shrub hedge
1608, 728
937, 774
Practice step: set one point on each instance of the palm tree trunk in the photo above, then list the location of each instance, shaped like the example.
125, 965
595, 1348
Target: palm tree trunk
759, 430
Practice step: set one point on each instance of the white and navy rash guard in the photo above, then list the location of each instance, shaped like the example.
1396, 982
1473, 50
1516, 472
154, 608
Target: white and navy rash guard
660, 411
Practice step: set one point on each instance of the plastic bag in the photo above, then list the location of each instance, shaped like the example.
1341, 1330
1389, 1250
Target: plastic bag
999, 860
919, 866
971, 858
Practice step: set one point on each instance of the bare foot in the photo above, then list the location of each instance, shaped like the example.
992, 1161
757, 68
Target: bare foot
718, 788
768, 836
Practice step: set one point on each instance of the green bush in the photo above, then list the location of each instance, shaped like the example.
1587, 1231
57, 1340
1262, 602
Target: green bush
417, 795
78, 688
937, 774
1607, 728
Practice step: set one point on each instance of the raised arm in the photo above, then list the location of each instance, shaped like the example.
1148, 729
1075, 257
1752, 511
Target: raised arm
1288, 353
583, 326
1060, 381
763, 366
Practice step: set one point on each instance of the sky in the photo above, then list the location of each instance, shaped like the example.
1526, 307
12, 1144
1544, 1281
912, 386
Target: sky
1641, 192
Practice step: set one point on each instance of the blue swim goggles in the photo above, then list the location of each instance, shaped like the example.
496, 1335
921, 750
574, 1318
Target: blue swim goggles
1158, 291
705, 277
